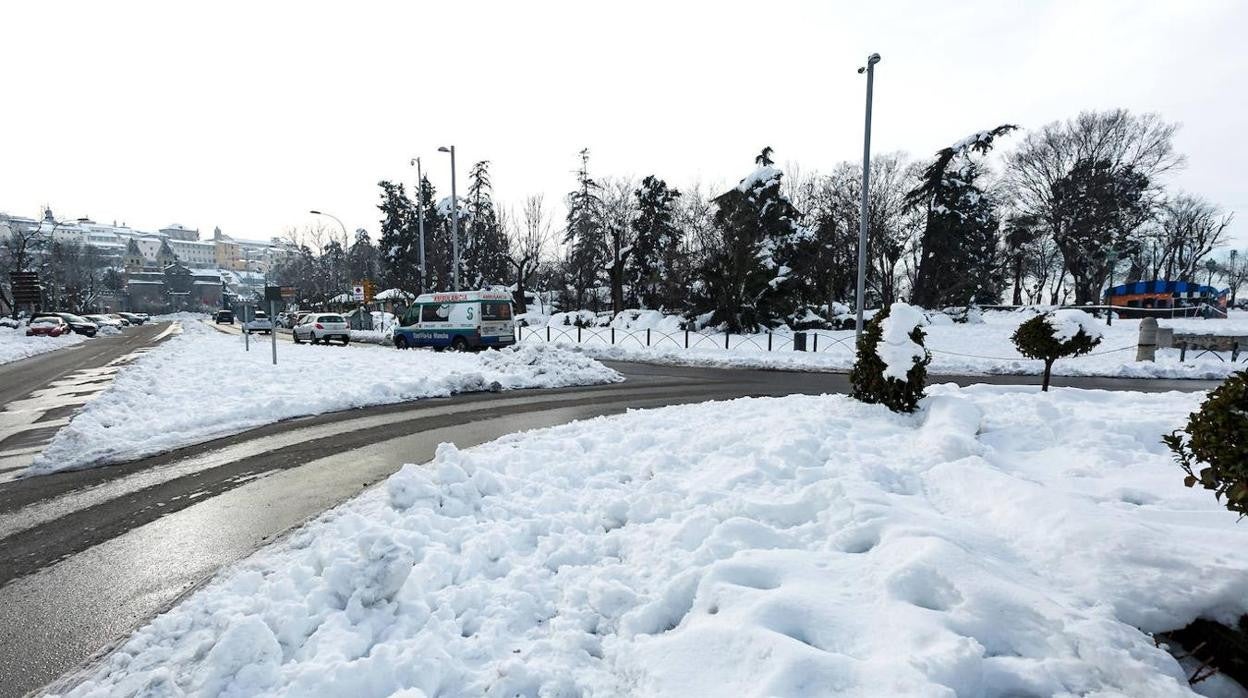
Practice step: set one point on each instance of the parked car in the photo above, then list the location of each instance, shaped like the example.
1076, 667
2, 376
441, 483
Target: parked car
287, 318
9, 323
125, 321
144, 317
47, 326
102, 320
134, 318
259, 323
224, 317
322, 327
77, 323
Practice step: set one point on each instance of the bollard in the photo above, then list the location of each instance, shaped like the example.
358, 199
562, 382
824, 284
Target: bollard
1146, 349
1165, 337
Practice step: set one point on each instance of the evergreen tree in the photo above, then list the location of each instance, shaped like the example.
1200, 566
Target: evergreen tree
959, 260
586, 237
484, 257
362, 258
652, 269
748, 277
400, 244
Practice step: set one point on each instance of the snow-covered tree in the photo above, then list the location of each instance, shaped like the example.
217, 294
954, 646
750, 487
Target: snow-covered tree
484, 253
585, 236
652, 270
748, 278
400, 243
960, 258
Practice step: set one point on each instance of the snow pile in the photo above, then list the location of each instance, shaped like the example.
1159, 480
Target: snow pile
15, 345
202, 385
1067, 323
895, 348
998, 542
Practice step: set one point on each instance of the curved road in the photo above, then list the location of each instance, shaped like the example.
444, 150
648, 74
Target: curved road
86, 556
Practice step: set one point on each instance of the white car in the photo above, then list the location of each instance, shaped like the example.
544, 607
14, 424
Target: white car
321, 327
109, 320
259, 323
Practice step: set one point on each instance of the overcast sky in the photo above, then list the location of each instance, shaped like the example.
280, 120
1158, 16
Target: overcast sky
245, 115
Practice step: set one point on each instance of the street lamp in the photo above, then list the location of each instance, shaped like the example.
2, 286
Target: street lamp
866, 189
420, 211
454, 218
345, 237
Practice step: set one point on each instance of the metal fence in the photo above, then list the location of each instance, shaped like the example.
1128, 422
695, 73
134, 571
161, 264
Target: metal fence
813, 341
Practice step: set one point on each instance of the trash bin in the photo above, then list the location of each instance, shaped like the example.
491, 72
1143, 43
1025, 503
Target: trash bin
799, 341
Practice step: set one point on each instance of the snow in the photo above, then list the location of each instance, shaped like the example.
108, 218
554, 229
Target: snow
895, 348
1067, 323
15, 345
759, 177
1001, 541
202, 385
980, 347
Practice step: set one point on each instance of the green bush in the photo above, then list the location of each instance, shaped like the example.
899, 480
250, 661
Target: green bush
867, 377
1037, 339
1217, 439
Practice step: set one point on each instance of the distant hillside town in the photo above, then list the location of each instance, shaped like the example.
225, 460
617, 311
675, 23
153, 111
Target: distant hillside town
88, 265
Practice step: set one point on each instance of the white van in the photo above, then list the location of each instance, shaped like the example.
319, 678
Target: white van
460, 320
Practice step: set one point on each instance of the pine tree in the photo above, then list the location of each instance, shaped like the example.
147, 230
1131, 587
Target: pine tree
362, 257
586, 237
748, 277
400, 246
960, 245
485, 243
652, 269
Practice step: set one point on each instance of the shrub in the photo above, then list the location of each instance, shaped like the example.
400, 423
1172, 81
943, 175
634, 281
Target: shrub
1055, 335
893, 374
1217, 438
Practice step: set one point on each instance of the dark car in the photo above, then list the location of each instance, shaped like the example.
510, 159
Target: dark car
134, 318
77, 323
224, 317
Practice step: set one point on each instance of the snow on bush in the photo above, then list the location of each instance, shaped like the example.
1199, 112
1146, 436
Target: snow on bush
1068, 323
896, 348
891, 362
999, 542
202, 385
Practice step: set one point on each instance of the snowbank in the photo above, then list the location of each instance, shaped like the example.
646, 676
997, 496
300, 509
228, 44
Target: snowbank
202, 385
15, 345
1001, 541
972, 348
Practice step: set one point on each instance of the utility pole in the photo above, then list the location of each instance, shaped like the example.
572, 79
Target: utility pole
454, 218
866, 191
420, 214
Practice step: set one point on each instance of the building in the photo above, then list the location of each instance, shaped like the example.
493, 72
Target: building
1164, 298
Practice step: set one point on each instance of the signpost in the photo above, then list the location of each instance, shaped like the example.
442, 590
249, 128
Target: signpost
26, 290
274, 294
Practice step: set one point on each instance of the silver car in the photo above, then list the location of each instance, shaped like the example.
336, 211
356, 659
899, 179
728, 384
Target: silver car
321, 327
260, 322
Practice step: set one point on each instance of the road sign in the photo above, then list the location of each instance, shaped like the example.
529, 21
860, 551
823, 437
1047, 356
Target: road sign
357, 292
288, 293
273, 294
369, 291
26, 287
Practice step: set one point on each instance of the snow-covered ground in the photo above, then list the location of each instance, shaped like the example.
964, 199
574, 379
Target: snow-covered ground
202, 385
1001, 541
957, 349
15, 345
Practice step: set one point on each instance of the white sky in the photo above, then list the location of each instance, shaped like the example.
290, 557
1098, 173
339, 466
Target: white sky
248, 114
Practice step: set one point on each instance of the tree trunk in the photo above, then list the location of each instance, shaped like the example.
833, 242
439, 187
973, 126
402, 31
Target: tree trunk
1048, 372
617, 287
1018, 280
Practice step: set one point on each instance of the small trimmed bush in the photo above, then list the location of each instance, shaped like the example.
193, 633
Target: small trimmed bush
1056, 335
869, 377
1215, 450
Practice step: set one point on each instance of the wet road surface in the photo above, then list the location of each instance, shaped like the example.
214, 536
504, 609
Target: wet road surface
86, 556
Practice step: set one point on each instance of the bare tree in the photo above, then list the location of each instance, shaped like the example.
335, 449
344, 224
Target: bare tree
527, 241
1235, 272
619, 207
1120, 143
17, 248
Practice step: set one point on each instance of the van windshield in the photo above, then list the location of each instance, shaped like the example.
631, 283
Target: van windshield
496, 311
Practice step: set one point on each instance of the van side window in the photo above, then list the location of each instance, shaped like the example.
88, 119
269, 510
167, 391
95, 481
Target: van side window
411, 316
496, 311
435, 313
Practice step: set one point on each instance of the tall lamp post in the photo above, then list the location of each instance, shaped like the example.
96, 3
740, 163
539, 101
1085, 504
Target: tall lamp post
420, 213
866, 191
345, 237
454, 218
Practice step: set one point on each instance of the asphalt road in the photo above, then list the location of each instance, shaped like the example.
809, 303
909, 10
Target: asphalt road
86, 556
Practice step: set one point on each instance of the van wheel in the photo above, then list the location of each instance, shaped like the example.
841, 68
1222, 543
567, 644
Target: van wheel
400, 342
459, 344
